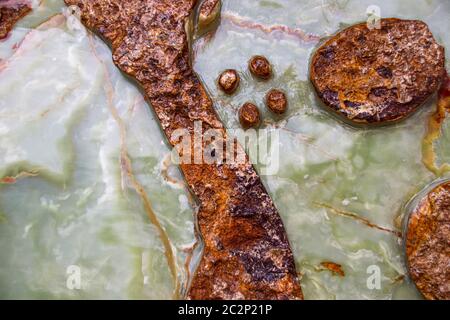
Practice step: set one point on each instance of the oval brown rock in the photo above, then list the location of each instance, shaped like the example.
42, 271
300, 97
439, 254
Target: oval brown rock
375, 76
428, 242
276, 101
249, 115
260, 67
229, 81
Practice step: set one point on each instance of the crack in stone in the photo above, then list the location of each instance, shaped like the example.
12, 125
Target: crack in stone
20, 175
356, 217
127, 171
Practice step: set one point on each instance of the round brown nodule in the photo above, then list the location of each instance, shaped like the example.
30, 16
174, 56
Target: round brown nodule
276, 101
249, 115
428, 243
229, 81
260, 67
379, 75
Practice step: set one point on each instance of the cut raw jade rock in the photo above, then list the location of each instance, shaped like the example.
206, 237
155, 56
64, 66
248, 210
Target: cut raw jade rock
246, 253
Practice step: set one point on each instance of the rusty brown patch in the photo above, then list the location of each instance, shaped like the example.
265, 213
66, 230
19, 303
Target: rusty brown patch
10, 14
335, 268
380, 75
428, 244
14, 179
435, 130
150, 44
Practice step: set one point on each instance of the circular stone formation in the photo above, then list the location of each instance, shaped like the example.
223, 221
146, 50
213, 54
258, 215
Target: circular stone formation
380, 75
428, 243
229, 81
249, 115
276, 101
260, 67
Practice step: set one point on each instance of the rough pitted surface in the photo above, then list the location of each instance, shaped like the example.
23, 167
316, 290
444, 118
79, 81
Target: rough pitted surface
260, 67
229, 81
380, 75
276, 101
11, 12
246, 251
428, 244
249, 115
208, 12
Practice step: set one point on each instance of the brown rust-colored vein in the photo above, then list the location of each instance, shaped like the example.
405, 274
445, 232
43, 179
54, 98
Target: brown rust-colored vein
178, 183
435, 130
166, 176
187, 264
127, 170
182, 185
398, 279
334, 268
356, 217
246, 251
23, 174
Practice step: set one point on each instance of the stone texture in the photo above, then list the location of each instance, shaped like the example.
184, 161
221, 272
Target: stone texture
379, 75
428, 244
10, 13
246, 250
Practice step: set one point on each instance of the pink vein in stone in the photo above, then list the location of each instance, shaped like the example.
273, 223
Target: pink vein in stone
269, 29
18, 48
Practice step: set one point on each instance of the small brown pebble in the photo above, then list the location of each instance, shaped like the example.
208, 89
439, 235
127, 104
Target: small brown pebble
260, 67
249, 115
209, 12
229, 81
276, 101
